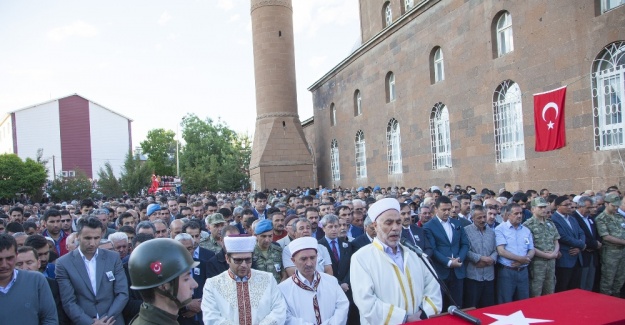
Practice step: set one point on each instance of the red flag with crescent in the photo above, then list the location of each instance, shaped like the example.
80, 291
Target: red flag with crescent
549, 119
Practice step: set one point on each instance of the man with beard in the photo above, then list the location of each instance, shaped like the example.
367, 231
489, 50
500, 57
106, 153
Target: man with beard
242, 285
387, 273
40, 244
277, 222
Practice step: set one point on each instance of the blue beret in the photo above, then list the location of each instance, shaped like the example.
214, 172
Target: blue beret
263, 226
153, 208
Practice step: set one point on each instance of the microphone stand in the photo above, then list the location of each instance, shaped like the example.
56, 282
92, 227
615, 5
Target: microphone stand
420, 253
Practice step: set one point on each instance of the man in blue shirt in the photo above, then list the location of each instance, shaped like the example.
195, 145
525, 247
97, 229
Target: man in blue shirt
515, 247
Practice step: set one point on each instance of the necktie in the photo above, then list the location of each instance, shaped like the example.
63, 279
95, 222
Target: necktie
334, 250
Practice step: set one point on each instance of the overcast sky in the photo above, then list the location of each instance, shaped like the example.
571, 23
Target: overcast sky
155, 61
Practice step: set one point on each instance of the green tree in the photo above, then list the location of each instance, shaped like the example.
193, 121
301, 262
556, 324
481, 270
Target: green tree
20, 177
160, 147
71, 188
214, 157
135, 175
108, 184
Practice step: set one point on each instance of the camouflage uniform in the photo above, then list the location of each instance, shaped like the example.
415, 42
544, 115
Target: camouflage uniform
612, 256
210, 244
542, 271
269, 260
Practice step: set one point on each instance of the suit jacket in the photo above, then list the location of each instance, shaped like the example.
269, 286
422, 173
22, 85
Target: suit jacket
570, 237
56, 294
205, 255
443, 250
216, 265
79, 301
199, 275
134, 298
418, 238
340, 268
357, 231
591, 240
320, 234
360, 242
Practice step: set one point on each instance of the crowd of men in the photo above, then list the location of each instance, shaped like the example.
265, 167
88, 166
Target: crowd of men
289, 256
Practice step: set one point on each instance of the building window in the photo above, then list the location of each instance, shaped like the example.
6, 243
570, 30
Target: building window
387, 13
332, 115
394, 147
408, 4
441, 141
508, 116
334, 160
357, 103
503, 34
361, 157
390, 87
608, 88
437, 65
607, 5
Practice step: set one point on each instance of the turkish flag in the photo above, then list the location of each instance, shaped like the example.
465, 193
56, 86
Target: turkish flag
549, 119
567, 307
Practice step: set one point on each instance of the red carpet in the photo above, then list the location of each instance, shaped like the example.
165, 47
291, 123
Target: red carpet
569, 307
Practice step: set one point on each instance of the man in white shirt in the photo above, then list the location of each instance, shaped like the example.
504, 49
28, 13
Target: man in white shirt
312, 297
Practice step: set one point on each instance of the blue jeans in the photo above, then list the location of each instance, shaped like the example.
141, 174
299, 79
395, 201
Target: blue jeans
512, 285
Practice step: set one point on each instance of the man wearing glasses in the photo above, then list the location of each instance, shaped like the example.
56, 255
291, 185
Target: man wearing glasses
255, 293
66, 222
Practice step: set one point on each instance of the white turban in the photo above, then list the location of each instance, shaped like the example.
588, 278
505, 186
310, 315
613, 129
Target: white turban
240, 244
301, 244
381, 206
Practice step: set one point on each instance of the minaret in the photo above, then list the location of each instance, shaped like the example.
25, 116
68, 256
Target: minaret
280, 155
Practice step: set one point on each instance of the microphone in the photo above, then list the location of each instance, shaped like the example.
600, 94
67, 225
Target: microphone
453, 310
412, 247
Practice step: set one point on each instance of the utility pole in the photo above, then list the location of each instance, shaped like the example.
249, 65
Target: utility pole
54, 167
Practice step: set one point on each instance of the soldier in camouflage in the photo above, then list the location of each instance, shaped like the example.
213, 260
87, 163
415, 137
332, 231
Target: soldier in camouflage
543, 266
267, 255
611, 228
214, 223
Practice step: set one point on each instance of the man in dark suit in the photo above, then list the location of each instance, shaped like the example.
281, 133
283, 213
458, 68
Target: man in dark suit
572, 243
93, 286
194, 229
191, 314
413, 234
590, 255
450, 245
366, 238
217, 264
340, 254
312, 214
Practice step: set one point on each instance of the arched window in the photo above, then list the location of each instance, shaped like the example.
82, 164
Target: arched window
332, 115
508, 116
387, 14
608, 89
437, 65
334, 160
394, 147
503, 34
390, 87
357, 103
441, 140
408, 4
361, 157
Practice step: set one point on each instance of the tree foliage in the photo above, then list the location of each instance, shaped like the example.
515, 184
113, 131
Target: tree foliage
71, 188
160, 147
214, 156
20, 177
108, 184
135, 175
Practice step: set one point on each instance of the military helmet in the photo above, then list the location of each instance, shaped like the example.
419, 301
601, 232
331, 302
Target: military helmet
158, 261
